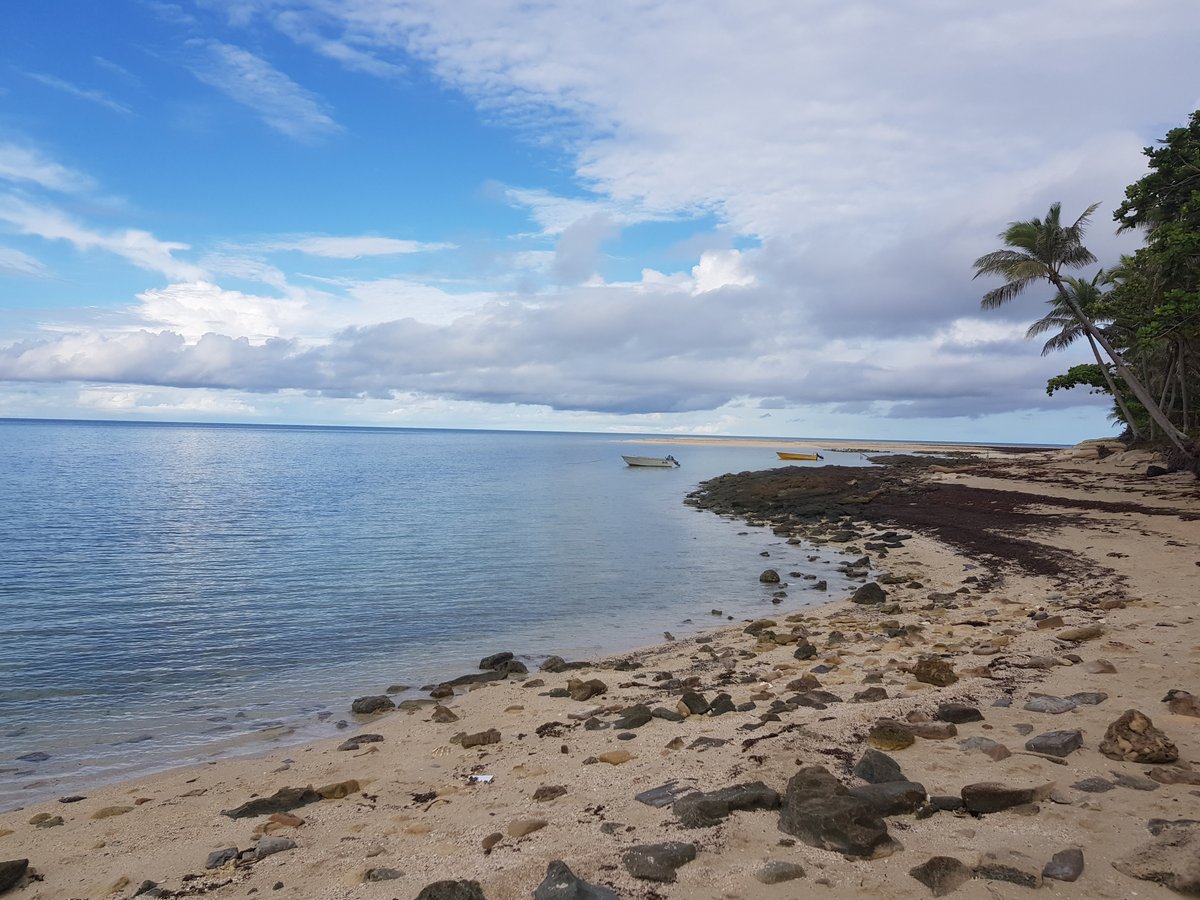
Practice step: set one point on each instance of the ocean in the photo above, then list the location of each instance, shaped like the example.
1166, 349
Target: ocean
171, 593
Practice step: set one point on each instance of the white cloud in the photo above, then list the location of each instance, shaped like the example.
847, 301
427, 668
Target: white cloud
354, 247
718, 269
252, 81
89, 94
136, 246
197, 308
24, 164
18, 263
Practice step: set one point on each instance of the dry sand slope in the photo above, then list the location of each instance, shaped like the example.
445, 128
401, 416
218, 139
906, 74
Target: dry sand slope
1041, 593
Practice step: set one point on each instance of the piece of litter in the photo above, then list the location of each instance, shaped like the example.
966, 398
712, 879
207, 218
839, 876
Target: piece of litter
480, 779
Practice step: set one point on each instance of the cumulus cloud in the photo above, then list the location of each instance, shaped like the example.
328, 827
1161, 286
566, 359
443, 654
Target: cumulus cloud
253, 82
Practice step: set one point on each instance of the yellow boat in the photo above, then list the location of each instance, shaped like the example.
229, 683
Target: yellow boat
808, 456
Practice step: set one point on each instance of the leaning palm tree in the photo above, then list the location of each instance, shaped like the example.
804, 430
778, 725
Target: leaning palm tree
1037, 250
1086, 296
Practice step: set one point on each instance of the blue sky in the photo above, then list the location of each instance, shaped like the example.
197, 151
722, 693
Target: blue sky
736, 219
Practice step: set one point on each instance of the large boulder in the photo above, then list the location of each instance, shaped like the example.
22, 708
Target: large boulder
818, 809
703, 810
1133, 738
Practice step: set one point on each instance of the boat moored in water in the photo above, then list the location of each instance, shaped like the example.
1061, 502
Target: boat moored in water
809, 456
651, 462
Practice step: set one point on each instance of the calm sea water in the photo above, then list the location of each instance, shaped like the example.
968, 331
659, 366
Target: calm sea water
176, 592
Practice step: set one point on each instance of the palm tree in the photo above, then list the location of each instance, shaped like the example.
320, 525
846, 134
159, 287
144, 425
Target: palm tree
1037, 250
1086, 296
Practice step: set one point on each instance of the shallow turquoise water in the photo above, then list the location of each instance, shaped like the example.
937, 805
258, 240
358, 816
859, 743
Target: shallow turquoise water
173, 592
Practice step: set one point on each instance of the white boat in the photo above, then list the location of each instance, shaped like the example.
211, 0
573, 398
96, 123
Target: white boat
651, 462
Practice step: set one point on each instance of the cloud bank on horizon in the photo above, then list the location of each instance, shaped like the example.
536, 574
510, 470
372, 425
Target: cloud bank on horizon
749, 219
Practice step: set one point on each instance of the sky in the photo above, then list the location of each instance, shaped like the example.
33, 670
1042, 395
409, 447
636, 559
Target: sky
751, 218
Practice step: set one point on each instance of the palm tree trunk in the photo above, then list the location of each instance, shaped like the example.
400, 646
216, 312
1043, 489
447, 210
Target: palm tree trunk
1112, 389
1176, 436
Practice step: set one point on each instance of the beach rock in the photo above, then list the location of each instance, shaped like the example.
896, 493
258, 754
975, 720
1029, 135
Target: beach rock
934, 670
815, 699
874, 767
481, 739
993, 750
382, 873
692, 704
11, 872
218, 858
283, 800
373, 704
561, 883
1081, 633
870, 695
888, 734
36, 756
1175, 775
615, 757
657, 862
1009, 866
1056, 743
495, 660
933, 731
358, 740
991, 796
548, 792
269, 846
1181, 703
769, 576
942, 874
819, 810
702, 810
443, 714
452, 890
580, 690
1094, 785
892, 798
1065, 865
1047, 704
869, 594
804, 650
1172, 859
1088, 698
958, 713
522, 827
512, 667
777, 871
339, 789
1134, 782
1100, 667
1133, 738
108, 812
633, 717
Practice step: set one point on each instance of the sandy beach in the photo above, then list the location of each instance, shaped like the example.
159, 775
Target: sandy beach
1022, 604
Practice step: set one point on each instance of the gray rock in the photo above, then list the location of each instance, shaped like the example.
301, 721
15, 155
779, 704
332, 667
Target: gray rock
657, 862
282, 800
1053, 705
869, 594
373, 704
695, 704
358, 740
663, 795
452, 890
1055, 743
870, 695
561, 883
495, 660
1065, 865
891, 798
769, 576
218, 858
991, 796
1171, 859
633, 717
819, 810
942, 874
934, 670
777, 871
1134, 782
1094, 785
1009, 866
875, 767
958, 713
702, 810
1088, 698
269, 846
382, 873
11, 872
994, 750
